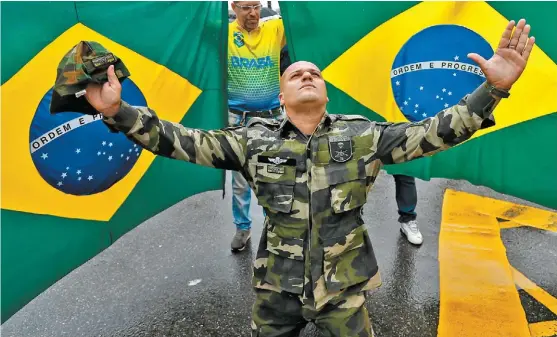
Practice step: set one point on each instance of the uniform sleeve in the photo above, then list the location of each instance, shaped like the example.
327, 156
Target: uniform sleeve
401, 142
224, 149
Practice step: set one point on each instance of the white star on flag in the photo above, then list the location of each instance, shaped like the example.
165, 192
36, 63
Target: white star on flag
456, 58
405, 103
128, 158
77, 150
99, 153
104, 153
417, 106
136, 149
110, 144
421, 88
409, 98
130, 150
104, 143
109, 158
44, 155
78, 178
446, 105
454, 74
437, 97
90, 178
443, 90
450, 93
78, 171
424, 114
60, 183
415, 111
64, 175
67, 167
397, 83
122, 155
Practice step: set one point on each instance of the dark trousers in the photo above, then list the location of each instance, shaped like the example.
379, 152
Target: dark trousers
406, 197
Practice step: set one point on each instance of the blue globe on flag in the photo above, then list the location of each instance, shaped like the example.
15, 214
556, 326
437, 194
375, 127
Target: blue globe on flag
432, 71
77, 153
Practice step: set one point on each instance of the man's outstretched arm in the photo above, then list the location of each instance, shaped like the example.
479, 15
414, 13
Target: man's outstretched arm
223, 149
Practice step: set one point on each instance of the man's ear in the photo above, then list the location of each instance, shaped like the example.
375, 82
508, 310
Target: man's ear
281, 98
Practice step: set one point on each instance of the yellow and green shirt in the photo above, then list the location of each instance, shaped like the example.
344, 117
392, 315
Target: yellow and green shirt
254, 65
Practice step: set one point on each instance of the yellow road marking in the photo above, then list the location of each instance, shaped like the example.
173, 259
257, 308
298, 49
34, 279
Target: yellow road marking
543, 329
518, 215
476, 279
536, 292
478, 294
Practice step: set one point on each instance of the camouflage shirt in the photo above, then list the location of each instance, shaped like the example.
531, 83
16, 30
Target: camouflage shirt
312, 188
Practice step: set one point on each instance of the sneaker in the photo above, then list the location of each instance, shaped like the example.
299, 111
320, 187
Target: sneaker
240, 240
412, 232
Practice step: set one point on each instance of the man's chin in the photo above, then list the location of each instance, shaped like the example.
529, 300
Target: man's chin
308, 97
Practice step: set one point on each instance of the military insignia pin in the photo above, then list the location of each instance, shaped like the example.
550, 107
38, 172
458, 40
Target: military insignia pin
340, 148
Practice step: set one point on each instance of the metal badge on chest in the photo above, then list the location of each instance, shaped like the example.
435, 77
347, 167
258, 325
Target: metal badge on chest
340, 148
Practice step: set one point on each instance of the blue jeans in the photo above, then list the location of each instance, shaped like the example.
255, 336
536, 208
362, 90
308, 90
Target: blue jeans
241, 192
406, 197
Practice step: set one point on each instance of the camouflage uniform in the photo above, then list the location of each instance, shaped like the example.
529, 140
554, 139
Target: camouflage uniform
315, 259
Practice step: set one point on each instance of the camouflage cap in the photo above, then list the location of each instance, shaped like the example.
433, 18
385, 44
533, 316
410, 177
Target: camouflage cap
86, 62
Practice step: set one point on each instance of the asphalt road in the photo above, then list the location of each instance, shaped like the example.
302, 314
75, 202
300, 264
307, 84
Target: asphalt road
174, 275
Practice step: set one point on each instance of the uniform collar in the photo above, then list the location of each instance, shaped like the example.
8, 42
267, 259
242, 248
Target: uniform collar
325, 123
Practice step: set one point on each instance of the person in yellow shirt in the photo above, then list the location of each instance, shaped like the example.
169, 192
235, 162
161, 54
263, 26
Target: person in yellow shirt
254, 46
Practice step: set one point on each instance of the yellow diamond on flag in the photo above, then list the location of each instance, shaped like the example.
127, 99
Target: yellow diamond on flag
365, 71
163, 90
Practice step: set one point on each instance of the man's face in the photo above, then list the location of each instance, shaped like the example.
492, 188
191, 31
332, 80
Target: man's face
302, 83
247, 13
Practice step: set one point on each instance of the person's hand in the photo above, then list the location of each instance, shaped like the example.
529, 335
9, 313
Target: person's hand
510, 58
105, 98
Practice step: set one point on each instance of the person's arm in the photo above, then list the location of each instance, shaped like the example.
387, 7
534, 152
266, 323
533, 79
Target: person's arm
282, 35
401, 142
277, 20
224, 149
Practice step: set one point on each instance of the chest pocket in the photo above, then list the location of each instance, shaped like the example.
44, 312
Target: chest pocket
274, 185
347, 184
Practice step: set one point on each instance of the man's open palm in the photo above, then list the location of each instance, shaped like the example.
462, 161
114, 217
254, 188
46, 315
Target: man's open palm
510, 58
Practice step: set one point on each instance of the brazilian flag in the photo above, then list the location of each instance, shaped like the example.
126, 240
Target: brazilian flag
70, 188
404, 61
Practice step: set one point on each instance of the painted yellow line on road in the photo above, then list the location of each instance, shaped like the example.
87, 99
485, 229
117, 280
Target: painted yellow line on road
478, 296
517, 215
535, 291
543, 329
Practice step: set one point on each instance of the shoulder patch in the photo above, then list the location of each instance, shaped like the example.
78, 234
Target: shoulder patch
236, 127
350, 118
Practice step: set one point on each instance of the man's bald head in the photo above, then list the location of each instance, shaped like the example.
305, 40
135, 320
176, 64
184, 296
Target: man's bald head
297, 66
302, 84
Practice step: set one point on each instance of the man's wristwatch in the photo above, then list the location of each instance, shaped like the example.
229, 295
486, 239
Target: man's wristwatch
501, 93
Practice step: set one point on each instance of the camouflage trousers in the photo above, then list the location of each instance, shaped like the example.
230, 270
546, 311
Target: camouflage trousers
283, 315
